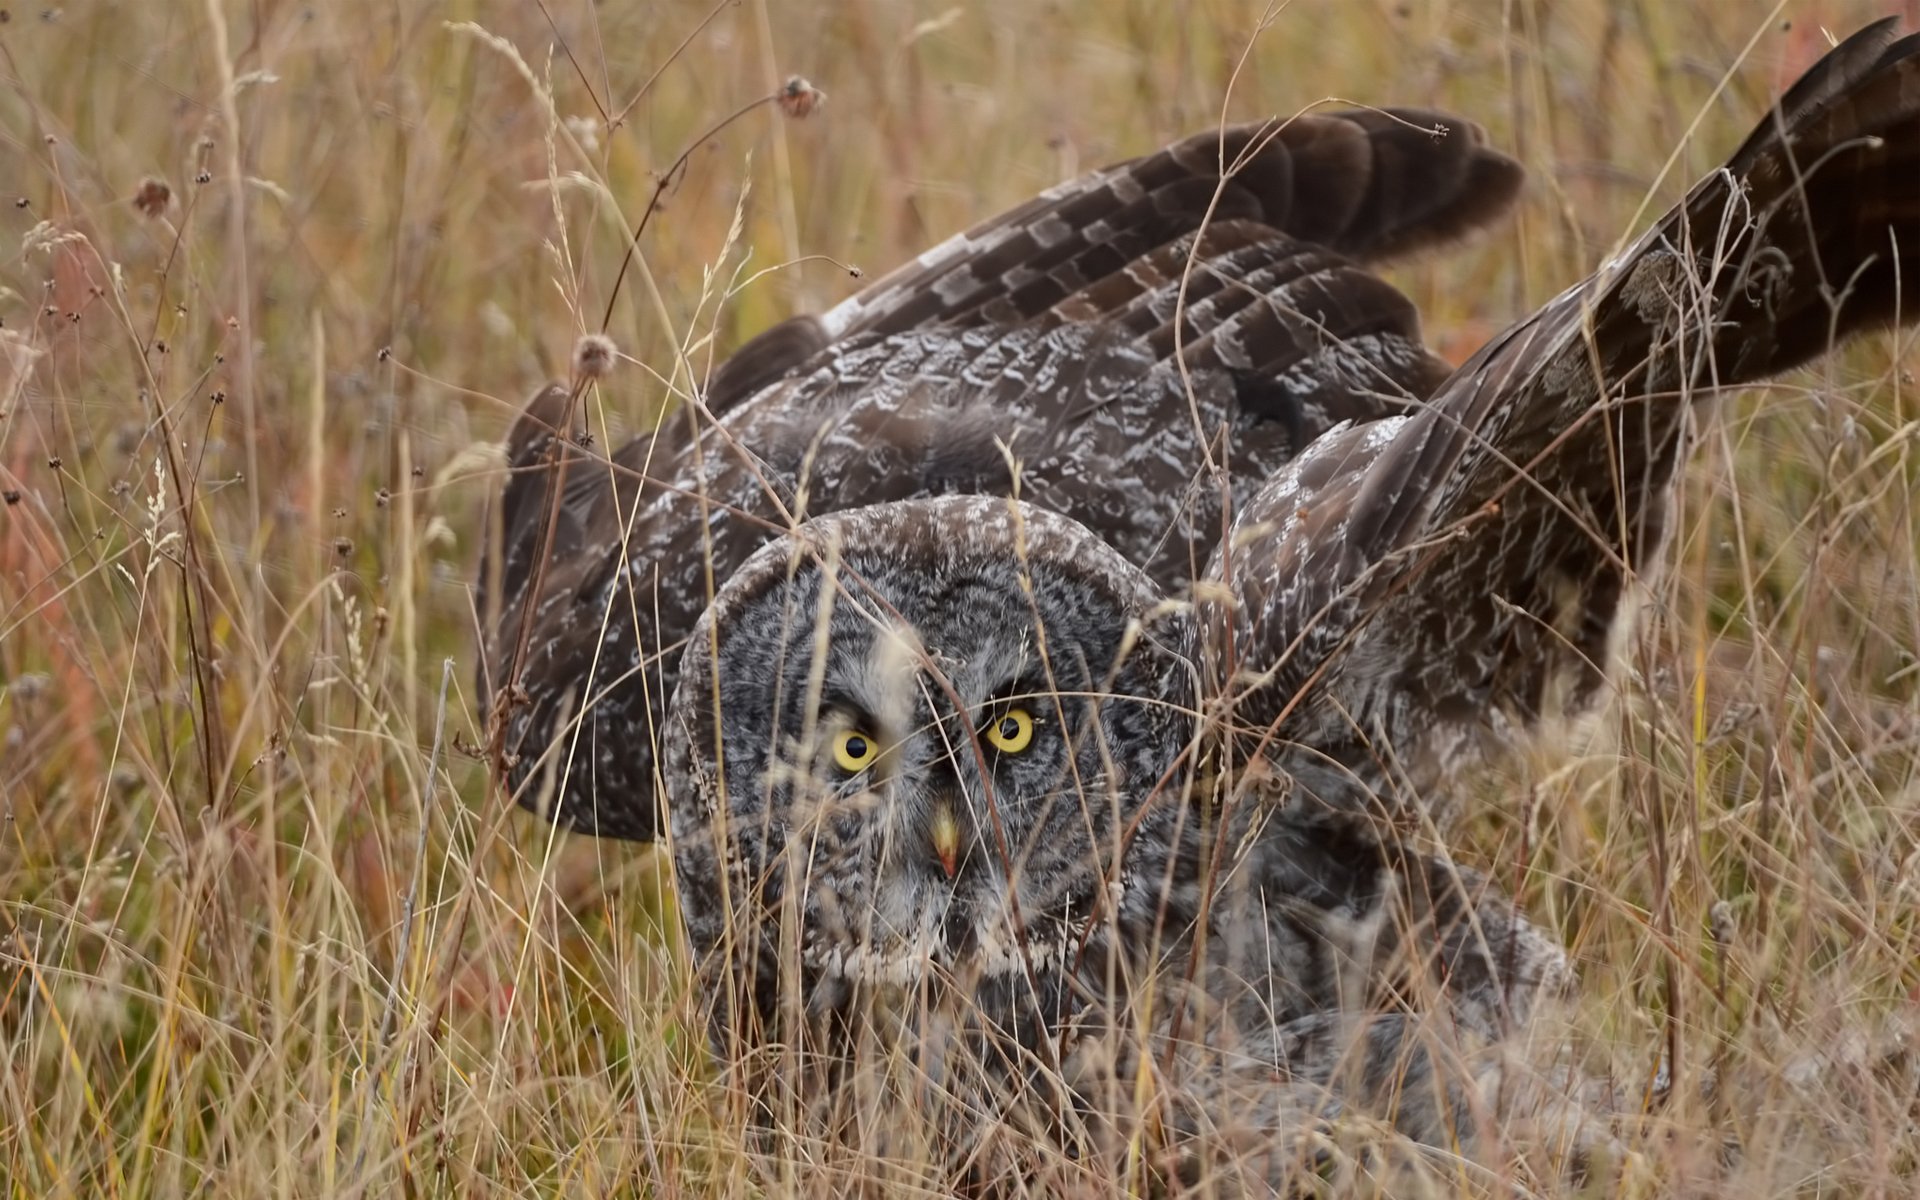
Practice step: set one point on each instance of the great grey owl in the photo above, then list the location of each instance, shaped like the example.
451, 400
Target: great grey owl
966, 775
1050, 330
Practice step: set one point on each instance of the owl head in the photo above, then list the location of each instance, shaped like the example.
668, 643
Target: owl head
915, 749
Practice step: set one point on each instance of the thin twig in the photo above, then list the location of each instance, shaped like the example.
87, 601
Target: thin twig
660, 187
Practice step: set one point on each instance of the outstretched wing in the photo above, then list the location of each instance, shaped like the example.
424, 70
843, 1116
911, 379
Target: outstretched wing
1408, 593
1231, 265
1367, 186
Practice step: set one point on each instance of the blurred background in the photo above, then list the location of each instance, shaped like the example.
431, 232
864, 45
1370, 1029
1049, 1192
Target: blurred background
274, 278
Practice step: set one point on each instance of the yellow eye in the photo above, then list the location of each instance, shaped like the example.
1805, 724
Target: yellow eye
854, 751
1011, 731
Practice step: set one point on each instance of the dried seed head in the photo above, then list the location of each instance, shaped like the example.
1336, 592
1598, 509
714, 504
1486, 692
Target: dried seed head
594, 356
799, 99
1720, 922
383, 497
11, 496
152, 196
343, 546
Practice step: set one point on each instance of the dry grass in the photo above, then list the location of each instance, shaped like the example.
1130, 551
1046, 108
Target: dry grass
264, 927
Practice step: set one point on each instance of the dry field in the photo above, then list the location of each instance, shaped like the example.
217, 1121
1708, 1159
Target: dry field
275, 276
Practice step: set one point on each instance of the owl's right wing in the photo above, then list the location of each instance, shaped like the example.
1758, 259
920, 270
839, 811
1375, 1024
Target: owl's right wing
1407, 596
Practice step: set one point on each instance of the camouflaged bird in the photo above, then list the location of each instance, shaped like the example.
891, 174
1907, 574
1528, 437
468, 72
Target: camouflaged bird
946, 768
1061, 337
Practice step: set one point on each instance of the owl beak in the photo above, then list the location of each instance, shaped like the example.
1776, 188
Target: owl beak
946, 836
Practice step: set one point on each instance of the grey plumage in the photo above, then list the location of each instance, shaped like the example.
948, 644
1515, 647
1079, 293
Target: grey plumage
1198, 864
1092, 885
933, 630
1051, 331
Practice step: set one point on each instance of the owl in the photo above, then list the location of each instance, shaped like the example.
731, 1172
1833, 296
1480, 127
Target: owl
1138, 349
960, 782
1012, 788
937, 807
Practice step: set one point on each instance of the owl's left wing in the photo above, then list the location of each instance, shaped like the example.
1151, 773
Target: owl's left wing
1405, 597
1361, 187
